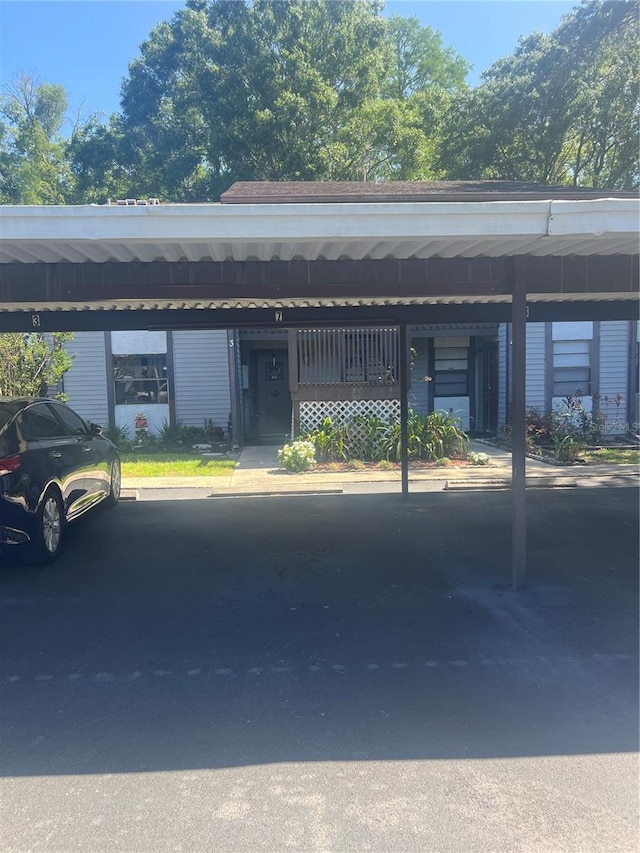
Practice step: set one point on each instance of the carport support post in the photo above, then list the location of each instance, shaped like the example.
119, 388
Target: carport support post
518, 425
235, 438
404, 411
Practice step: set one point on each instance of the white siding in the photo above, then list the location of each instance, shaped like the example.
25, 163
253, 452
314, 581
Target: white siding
86, 383
536, 366
503, 373
613, 370
201, 377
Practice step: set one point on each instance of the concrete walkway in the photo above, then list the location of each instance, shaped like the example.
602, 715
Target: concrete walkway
258, 473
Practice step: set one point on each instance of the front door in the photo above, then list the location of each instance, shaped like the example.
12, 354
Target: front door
490, 381
273, 395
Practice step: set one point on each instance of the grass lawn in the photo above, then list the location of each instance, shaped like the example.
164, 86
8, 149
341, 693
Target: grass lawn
174, 465
612, 454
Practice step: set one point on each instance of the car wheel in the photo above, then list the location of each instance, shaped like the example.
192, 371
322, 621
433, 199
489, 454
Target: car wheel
114, 487
45, 542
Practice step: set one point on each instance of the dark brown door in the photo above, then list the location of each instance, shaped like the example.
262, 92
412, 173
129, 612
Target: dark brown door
274, 397
490, 386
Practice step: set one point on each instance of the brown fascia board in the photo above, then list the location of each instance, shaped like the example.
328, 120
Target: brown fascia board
326, 192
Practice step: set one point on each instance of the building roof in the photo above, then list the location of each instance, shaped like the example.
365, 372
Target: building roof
327, 192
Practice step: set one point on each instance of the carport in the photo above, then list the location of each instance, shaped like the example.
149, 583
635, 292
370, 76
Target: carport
321, 255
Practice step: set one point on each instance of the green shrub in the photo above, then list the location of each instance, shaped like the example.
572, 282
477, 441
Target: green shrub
478, 458
366, 438
298, 456
119, 435
567, 449
171, 435
329, 441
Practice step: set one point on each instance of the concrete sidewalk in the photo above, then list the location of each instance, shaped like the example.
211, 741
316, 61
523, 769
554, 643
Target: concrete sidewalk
258, 473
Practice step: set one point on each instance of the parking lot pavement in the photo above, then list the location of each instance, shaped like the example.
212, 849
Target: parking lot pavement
326, 673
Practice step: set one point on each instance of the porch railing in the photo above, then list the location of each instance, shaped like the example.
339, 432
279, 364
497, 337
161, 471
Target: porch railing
348, 357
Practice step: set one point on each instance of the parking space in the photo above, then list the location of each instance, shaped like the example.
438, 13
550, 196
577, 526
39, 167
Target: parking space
198, 643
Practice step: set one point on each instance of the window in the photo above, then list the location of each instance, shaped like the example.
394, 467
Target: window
39, 422
451, 370
140, 379
571, 368
73, 422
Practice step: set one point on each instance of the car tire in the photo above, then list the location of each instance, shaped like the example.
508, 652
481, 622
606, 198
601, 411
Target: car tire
45, 542
115, 484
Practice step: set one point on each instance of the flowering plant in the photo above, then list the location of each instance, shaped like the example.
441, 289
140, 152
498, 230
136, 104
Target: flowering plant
297, 456
478, 458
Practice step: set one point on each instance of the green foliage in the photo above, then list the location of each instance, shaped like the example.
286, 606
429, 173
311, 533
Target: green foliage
119, 435
568, 429
31, 363
298, 456
616, 455
566, 448
271, 90
562, 109
366, 438
34, 168
328, 440
303, 90
140, 464
417, 60
370, 439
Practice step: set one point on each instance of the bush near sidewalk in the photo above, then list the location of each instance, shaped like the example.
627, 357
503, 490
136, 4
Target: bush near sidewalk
571, 433
370, 439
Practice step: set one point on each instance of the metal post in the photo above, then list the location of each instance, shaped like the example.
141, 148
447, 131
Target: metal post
518, 425
404, 411
235, 437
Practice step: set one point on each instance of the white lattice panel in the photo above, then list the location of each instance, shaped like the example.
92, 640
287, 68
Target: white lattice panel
312, 412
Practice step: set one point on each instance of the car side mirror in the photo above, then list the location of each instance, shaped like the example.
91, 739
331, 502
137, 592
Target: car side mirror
95, 429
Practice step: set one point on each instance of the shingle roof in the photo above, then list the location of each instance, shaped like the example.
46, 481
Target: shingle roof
316, 192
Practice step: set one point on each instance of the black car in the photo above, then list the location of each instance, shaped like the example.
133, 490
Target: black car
53, 468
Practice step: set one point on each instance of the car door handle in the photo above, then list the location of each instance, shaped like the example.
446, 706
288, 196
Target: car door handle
86, 448
55, 454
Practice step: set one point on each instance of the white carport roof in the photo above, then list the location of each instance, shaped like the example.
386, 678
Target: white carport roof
286, 231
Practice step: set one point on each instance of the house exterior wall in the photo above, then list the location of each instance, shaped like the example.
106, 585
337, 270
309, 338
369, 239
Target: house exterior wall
201, 377
536, 366
613, 378
85, 385
200, 389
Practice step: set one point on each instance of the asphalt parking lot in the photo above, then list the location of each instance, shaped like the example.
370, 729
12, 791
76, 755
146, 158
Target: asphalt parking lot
326, 673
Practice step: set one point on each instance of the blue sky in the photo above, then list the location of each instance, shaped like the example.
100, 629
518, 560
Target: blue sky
86, 45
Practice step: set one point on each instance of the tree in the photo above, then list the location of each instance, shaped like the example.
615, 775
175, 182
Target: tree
417, 60
33, 363
33, 164
270, 90
562, 109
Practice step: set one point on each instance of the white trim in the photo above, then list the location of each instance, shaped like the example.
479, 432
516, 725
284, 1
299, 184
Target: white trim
266, 231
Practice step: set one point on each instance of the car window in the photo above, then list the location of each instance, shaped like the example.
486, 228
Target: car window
72, 422
39, 422
8, 410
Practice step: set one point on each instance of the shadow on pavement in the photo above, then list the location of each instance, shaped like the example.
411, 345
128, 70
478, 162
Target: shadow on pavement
204, 634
